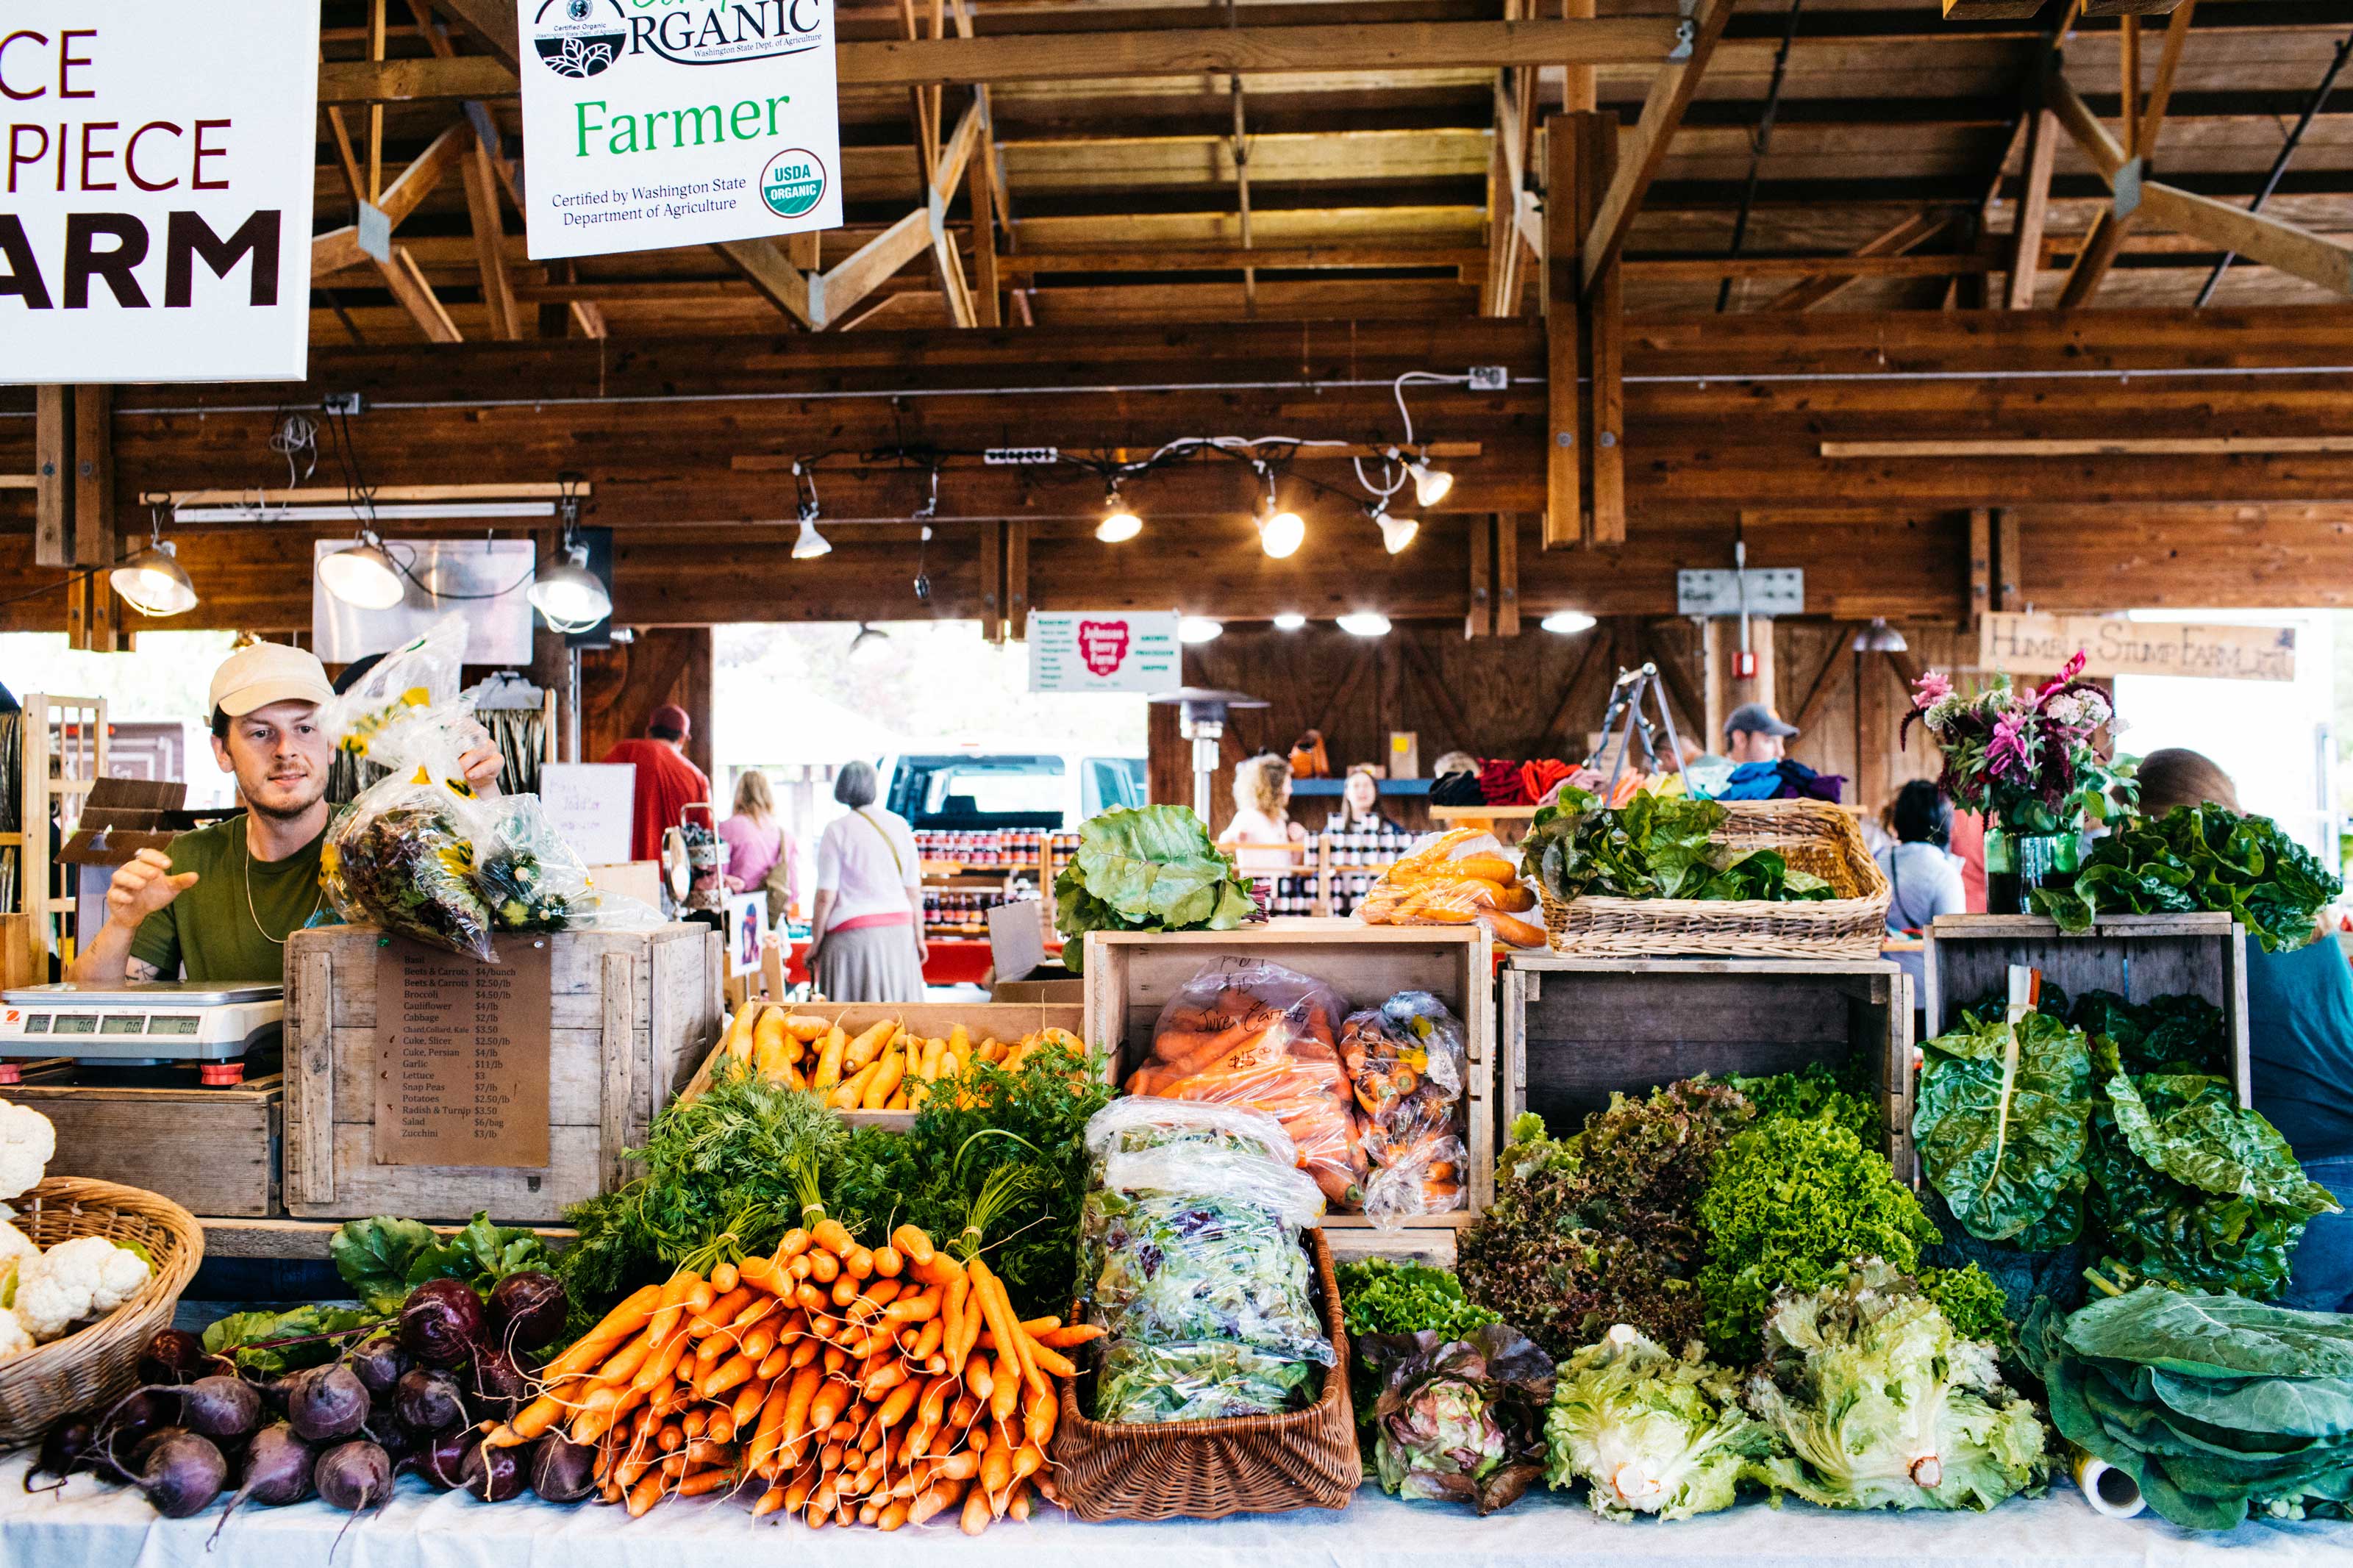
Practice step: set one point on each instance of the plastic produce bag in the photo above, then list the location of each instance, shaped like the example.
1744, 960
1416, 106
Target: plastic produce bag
1143, 1383
1406, 1061
1261, 1036
420, 674
1135, 1124
1463, 876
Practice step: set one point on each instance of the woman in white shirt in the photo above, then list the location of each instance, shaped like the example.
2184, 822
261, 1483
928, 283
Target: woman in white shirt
1926, 878
1261, 833
866, 931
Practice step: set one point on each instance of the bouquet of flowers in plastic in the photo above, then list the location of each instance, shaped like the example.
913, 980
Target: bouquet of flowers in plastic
2023, 756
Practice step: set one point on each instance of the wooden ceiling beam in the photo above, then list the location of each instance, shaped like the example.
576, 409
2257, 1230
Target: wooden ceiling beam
491, 24
1645, 151
1890, 246
2142, 124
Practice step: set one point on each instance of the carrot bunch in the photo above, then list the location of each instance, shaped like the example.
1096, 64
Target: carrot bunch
844, 1383
885, 1066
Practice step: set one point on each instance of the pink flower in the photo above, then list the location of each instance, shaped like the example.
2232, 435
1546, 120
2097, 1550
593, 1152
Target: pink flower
1930, 690
2007, 745
2073, 667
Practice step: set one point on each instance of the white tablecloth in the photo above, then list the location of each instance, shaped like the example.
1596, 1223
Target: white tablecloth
92, 1525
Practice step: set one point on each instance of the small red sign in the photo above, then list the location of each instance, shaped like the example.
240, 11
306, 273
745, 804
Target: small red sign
1103, 645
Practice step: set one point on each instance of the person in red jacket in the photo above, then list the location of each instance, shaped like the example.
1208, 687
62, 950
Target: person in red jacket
667, 782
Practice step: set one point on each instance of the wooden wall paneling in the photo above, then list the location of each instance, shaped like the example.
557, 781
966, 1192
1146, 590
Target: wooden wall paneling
2009, 560
53, 475
621, 687
1168, 757
1479, 616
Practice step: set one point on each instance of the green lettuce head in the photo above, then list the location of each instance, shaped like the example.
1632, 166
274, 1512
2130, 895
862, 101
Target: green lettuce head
1650, 1432
1878, 1403
1154, 868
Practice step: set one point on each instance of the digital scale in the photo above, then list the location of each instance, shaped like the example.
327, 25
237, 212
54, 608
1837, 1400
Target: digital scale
144, 1023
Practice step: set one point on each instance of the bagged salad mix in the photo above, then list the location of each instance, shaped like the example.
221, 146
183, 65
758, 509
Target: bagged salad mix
1191, 1260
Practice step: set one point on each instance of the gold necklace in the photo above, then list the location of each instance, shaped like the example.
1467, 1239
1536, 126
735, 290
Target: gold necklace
254, 915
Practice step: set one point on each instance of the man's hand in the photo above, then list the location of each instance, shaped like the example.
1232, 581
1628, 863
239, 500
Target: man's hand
481, 764
144, 885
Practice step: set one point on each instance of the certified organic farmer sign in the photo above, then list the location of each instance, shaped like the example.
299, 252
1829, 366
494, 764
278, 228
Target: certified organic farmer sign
155, 168
650, 124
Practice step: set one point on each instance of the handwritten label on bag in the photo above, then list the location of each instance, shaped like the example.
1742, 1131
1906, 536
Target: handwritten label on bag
461, 1051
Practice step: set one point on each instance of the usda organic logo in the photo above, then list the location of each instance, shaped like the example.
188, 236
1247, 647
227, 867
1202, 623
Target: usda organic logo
793, 181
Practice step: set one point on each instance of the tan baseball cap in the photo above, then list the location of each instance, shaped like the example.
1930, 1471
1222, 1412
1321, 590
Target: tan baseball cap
268, 672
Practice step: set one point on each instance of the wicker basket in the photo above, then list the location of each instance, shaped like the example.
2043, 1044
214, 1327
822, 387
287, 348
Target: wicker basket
1208, 1469
97, 1363
1813, 836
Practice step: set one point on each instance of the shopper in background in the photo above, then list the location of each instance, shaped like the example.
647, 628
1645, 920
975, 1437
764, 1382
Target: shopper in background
1924, 877
1262, 831
1360, 805
667, 782
760, 853
1754, 733
2300, 1034
866, 931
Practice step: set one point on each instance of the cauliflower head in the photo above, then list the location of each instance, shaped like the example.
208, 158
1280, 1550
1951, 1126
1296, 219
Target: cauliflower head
13, 1337
75, 1279
28, 1142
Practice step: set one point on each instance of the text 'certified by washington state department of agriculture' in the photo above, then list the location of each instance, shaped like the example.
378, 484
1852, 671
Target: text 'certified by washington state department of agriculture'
652, 123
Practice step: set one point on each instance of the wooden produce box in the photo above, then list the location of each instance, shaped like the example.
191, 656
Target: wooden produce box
1575, 1030
2139, 957
1131, 975
1006, 1021
214, 1152
628, 1015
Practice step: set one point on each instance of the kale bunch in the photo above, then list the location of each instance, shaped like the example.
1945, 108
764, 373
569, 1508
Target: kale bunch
1603, 1229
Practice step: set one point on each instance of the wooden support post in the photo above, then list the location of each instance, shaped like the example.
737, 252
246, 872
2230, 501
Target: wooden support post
1564, 522
1577, 84
93, 454
1605, 313
1017, 580
1478, 617
1980, 569
1507, 574
992, 581
53, 476
2008, 591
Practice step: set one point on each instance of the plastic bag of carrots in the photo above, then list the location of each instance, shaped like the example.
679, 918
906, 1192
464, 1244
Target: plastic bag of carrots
843, 1383
1406, 1060
1463, 876
1264, 1037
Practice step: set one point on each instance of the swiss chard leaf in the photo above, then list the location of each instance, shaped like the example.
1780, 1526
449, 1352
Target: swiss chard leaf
2200, 857
2192, 1130
252, 1337
374, 1256
2001, 1121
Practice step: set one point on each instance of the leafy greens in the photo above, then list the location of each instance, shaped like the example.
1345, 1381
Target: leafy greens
1654, 846
2201, 856
1460, 1420
2001, 1121
1650, 1432
1152, 869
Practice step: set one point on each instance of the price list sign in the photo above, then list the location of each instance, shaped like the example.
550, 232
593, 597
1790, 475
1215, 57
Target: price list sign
462, 1056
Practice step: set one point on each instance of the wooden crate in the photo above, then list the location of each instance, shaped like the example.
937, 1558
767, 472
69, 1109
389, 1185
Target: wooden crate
631, 1015
1006, 1021
1131, 975
2137, 956
1575, 1030
214, 1152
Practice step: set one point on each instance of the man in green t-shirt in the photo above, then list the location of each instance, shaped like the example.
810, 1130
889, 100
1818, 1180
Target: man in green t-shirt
221, 905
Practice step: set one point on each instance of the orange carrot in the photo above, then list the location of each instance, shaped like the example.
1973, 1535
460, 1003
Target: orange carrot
1070, 1336
976, 1511
675, 1295
645, 1494
625, 1320
723, 1277
1005, 1393
1038, 1419
1049, 1361
722, 1310
830, 1234
913, 1242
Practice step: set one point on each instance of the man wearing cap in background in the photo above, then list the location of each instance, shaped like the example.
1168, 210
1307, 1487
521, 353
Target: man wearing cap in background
1753, 734
221, 905
667, 782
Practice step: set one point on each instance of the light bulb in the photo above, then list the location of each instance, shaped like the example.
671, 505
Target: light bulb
154, 584
569, 598
1281, 534
812, 543
1290, 621
1199, 629
1364, 624
1119, 524
1566, 621
1396, 532
362, 575
1429, 484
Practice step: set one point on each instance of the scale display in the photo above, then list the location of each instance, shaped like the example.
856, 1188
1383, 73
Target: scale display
140, 1023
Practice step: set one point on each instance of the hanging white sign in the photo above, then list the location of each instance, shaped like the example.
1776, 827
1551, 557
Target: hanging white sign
651, 123
154, 202
1104, 650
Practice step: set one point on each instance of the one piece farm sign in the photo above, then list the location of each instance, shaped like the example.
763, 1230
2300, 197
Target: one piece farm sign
155, 170
650, 124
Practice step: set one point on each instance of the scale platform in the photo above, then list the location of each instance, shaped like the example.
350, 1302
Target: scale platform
141, 1023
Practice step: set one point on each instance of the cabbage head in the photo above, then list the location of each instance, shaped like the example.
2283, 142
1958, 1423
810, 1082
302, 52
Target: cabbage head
1648, 1431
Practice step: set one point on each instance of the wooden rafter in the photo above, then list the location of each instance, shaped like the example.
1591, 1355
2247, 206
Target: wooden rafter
1513, 230
403, 278
492, 24
1645, 149
1812, 290
2142, 124
2296, 251
1080, 56
2033, 208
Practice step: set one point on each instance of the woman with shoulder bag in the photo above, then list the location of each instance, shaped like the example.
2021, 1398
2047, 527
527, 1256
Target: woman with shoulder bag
866, 931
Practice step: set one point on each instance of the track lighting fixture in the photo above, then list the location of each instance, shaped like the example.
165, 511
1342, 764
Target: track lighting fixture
151, 581
362, 574
1119, 524
1396, 532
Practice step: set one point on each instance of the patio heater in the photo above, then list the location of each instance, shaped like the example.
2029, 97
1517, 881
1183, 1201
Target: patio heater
1202, 719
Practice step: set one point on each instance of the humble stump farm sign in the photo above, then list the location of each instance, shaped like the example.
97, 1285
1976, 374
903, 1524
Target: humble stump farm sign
155, 169
650, 124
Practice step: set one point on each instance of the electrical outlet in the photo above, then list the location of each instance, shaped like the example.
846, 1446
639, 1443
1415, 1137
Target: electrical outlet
1019, 457
1490, 378
346, 404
